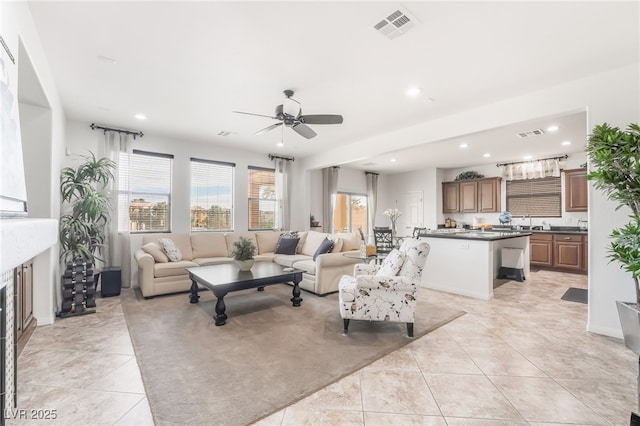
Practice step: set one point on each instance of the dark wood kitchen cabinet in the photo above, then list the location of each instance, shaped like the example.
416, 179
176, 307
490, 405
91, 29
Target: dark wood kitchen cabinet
489, 195
575, 190
567, 251
471, 196
450, 197
541, 250
468, 197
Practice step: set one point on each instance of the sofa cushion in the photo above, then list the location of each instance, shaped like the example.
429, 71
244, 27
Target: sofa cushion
350, 241
287, 245
170, 249
233, 237
325, 247
264, 257
267, 241
392, 264
183, 242
172, 269
156, 252
208, 244
303, 237
204, 261
337, 243
288, 260
308, 266
312, 242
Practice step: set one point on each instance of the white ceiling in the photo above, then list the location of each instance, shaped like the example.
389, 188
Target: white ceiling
188, 65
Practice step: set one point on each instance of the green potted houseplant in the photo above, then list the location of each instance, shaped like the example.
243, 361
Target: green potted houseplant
615, 159
243, 251
83, 228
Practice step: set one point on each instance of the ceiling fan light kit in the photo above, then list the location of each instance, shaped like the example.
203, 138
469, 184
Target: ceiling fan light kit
289, 113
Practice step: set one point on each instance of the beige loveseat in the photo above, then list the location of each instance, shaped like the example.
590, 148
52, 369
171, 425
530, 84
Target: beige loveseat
157, 275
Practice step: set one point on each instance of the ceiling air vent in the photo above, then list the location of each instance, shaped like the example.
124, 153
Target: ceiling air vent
535, 132
225, 133
396, 24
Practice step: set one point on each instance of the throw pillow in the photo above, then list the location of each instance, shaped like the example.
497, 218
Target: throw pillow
392, 263
156, 252
170, 249
287, 235
325, 247
287, 245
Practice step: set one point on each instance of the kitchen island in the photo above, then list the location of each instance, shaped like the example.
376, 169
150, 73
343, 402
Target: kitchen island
467, 262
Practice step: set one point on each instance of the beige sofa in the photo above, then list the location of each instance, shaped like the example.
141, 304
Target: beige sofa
157, 275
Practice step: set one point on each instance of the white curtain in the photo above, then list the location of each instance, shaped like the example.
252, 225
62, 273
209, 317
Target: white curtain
372, 200
531, 169
329, 192
119, 250
283, 187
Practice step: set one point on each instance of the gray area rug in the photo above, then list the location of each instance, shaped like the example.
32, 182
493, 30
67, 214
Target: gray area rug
574, 294
267, 356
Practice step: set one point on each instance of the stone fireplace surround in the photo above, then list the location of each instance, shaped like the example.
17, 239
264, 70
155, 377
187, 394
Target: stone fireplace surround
20, 240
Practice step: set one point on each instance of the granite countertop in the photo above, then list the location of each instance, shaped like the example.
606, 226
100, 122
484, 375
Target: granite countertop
554, 230
479, 235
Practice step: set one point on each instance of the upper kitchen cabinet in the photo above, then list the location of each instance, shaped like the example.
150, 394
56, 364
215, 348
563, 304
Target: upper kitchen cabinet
450, 197
471, 196
489, 195
575, 190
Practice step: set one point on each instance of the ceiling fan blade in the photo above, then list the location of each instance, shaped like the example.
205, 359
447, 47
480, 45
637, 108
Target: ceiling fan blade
321, 119
304, 130
266, 129
251, 113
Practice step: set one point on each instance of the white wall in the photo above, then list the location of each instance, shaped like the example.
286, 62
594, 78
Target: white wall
43, 150
424, 181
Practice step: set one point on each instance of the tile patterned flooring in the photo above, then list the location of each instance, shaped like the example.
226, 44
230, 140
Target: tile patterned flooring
523, 358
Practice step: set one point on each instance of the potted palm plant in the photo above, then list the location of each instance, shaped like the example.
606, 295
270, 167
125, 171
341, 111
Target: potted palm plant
615, 157
243, 251
83, 228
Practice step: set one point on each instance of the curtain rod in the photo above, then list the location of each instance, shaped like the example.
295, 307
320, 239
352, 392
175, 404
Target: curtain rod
366, 172
109, 129
272, 156
561, 157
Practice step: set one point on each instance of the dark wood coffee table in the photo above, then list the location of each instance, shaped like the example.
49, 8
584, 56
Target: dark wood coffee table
224, 278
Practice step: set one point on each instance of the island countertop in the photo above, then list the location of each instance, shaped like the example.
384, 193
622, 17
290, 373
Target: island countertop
465, 234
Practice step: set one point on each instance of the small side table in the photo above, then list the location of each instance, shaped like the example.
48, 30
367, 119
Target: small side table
110, 281
378, 257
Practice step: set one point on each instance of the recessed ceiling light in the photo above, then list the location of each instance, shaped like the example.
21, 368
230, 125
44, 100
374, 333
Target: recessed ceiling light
413, 91
393, 160
552, 128
280, 144
140, 116
463, 145
527, 157
565, 143
486, 155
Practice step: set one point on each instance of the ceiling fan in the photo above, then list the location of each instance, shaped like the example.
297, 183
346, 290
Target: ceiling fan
289, 113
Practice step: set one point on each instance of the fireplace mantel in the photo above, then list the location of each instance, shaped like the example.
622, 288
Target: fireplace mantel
23, 239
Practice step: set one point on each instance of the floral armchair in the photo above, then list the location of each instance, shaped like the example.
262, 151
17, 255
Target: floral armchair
385, 292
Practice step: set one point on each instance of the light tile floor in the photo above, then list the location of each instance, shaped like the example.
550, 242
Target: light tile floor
523, 358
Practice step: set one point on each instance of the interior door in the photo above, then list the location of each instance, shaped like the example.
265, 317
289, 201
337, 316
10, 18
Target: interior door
412, 212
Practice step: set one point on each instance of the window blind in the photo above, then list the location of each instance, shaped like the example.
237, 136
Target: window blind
535, 197
145, 180
262, 198
211, 195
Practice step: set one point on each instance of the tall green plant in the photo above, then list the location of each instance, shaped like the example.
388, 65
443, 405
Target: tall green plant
615, 157
83, 228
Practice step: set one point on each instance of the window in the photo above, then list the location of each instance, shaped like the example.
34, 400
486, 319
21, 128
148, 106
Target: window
211, 195
147, 176
535, 197
350, 213
262, 198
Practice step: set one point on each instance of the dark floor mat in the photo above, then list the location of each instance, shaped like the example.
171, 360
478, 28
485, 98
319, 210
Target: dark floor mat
574, 294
